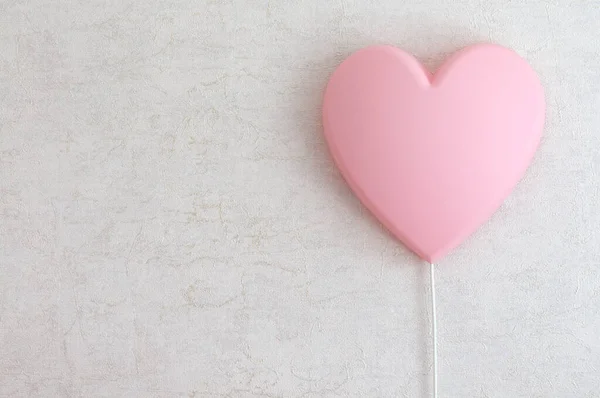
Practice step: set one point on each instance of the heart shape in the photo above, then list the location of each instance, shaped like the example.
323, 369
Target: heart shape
433, 156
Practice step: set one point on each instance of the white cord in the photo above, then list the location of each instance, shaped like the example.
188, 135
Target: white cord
433, 329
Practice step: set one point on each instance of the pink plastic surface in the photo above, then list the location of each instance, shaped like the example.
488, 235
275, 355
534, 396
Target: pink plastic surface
433, 156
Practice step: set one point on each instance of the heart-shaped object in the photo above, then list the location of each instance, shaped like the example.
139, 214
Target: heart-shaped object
433, 156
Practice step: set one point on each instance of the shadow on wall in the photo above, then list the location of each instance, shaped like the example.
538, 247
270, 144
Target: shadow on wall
312, 71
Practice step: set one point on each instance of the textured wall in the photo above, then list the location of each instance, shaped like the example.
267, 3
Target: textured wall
171, 224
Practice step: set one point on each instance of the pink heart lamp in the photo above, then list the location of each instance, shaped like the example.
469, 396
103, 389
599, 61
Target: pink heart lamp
433, 156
